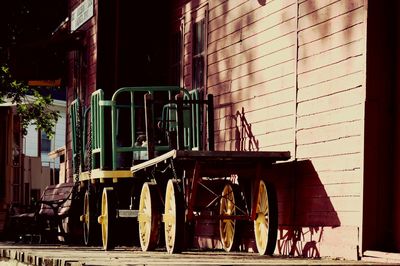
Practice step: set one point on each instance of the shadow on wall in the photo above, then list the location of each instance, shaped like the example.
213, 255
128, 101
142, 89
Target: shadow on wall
305, 210
244, 137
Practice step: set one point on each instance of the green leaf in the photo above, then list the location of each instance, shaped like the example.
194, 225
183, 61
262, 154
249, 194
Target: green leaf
36, 112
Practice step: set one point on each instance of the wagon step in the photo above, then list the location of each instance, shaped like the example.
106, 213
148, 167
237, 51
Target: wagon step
127, 213
120, 213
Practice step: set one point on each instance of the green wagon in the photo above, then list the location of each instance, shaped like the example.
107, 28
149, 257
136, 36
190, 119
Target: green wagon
145, 159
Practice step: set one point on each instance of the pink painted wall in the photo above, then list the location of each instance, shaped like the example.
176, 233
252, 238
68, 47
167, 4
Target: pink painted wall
290, 75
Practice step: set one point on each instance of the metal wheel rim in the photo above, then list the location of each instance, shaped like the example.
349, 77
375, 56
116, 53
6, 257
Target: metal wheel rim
227, 226
170, 217
261, 223
86, 213
104, 222
144, 217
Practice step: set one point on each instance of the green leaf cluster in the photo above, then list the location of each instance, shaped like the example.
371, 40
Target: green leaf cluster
32, 107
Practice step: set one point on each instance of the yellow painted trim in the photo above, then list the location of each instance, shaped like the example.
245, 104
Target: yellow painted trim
105, 174
84, 176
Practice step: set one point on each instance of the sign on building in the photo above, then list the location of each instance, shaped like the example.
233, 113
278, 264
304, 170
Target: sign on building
81, 14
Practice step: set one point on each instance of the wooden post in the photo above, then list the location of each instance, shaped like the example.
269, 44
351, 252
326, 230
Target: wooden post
210, 113
179, 113
148, 108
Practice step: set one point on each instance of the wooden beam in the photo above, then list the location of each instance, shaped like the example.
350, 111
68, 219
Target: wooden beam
45, 83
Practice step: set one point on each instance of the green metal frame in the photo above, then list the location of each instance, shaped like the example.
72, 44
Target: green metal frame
74, 114
188, 123
192, 119
97, 127
116, 149
85, 131
192, 132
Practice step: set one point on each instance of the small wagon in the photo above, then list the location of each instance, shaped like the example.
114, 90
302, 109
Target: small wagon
153, 167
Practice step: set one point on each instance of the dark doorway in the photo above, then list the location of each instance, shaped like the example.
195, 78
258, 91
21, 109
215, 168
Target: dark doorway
132, 44
380, 207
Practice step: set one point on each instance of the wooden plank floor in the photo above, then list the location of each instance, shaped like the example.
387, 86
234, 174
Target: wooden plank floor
60, 255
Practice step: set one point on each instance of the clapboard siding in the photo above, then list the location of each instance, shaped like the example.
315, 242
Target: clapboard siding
243, 56
332, 71
331, 26
251, 57
330, 87
329, 148
236, 44
320, 200
332, 102
348, 113
257, 128
228, 12
273, 73
333, 173
268, 87
346, 218
282, 110
249, 101
283, 136
309, 16
332, 190
307, 7
353, 33
330, 111
336, 55
256, 64
249, 18
329, 132
292, 73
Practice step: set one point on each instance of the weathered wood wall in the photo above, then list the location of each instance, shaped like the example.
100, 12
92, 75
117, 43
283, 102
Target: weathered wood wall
251, 66
290, 75
330, 121
86, 79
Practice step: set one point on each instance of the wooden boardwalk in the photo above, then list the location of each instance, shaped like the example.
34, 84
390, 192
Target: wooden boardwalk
60, 255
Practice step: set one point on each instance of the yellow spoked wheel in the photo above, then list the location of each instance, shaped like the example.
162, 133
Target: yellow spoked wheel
86, 219
174, 218
227, 225
149, 217
265, 223
107, 218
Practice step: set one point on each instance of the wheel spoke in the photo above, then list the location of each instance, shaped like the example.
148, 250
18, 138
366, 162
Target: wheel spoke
169, 217
104, 219
230, 228
227, 225
148, 217
173, 217
262, 221
86, 219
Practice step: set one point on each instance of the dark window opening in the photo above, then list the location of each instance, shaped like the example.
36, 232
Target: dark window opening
45, 143
198, 55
